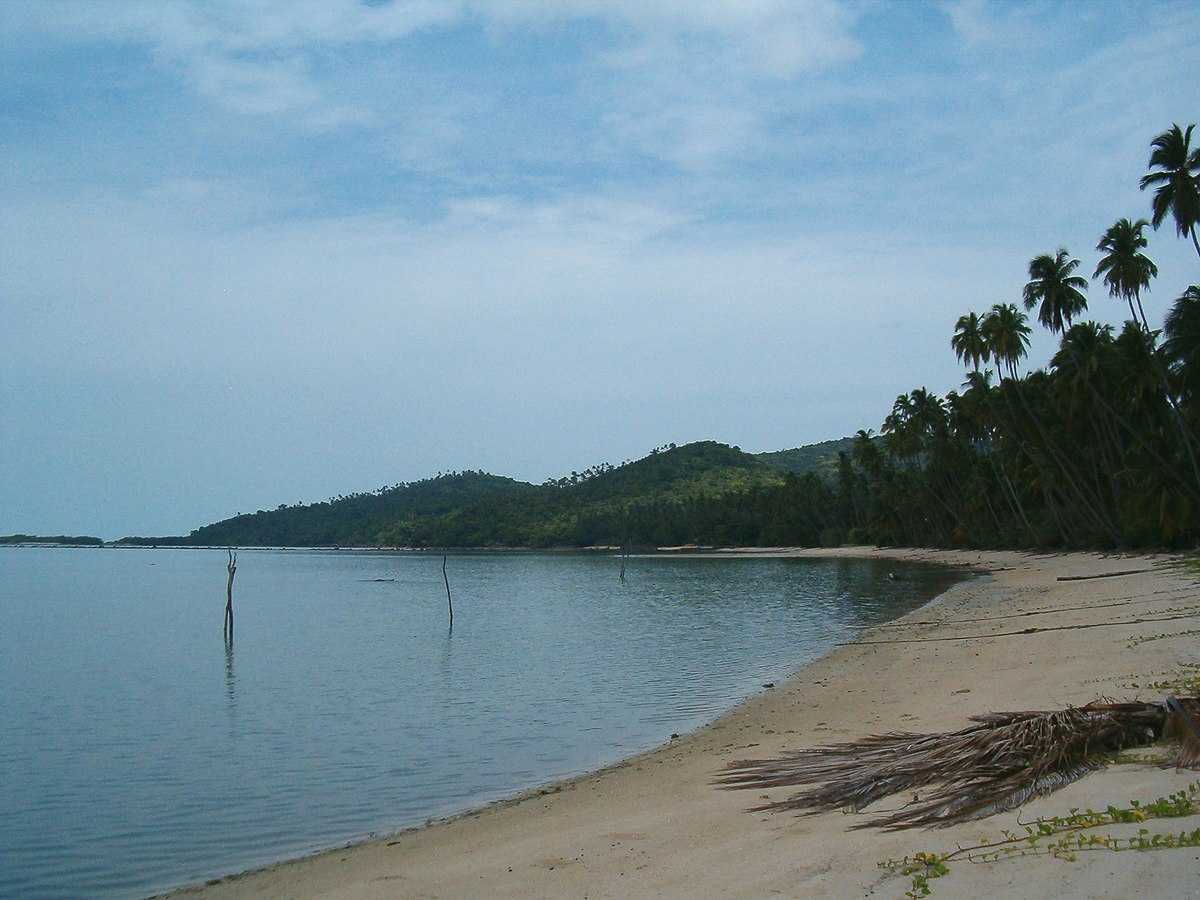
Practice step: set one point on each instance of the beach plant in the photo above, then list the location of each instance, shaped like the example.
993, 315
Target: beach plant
1060, 837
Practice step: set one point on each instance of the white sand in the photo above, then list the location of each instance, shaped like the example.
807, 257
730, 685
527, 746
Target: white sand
655, 826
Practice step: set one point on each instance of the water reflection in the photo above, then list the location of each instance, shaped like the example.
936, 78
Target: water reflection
230, 680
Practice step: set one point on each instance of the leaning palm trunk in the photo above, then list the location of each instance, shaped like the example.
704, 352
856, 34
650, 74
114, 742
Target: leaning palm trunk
997, 764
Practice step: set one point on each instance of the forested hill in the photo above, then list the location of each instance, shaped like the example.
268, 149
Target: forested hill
64, 540
820, 458
695, 493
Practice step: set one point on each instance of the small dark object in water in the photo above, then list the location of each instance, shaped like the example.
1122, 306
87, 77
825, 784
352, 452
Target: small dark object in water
674, 735
892, 576
769, 684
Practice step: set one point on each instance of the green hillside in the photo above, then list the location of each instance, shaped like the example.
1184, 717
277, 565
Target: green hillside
601, 505
359, 518
820, 459
66, 540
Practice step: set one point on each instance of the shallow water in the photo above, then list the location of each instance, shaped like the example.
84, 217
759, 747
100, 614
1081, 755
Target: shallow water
137, 752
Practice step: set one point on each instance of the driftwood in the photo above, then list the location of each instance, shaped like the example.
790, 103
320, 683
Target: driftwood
999, 763
1023, 631
231, 567
1102, 575
1132, 601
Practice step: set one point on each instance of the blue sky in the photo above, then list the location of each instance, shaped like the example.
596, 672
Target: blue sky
254, 253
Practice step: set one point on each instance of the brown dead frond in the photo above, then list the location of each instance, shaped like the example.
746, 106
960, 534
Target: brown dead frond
999, 763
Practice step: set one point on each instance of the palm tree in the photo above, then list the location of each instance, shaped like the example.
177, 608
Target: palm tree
1059, 292
1008, 339
1127, 271
1006, 334
865, 453
1178, 190
1182, 342
968, 342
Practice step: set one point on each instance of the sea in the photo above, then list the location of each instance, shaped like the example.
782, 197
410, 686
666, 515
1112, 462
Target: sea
140, 750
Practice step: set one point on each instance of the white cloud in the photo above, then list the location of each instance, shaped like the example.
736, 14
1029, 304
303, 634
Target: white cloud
676, 78
776, 38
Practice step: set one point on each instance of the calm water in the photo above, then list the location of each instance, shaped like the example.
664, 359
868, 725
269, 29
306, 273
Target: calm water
136, 753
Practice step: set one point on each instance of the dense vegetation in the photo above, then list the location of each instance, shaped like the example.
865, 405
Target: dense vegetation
69, 540
1099, 448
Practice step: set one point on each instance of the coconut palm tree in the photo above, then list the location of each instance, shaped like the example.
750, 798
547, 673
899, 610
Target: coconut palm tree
1178, 191
1058, 291
1006, 333
1126, 270
1182, 342
968, 342
1008, 339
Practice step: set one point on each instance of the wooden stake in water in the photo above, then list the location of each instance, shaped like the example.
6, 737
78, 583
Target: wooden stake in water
449, 601
232, 569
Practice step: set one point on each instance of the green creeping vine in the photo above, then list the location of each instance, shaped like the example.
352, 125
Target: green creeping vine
1061, 837
1145, 639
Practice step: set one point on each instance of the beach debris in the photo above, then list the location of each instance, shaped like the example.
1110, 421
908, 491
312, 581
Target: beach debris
1002, 761
1024, 631
1103, 575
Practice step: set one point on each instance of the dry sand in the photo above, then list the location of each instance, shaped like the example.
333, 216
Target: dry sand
654, 826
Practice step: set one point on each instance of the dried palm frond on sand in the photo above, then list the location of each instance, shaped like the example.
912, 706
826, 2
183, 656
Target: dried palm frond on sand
1002, 761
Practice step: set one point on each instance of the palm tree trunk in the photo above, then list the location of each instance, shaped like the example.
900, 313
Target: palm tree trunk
1015, 501
1145, 324
1088, 503
995, 518
1136, 435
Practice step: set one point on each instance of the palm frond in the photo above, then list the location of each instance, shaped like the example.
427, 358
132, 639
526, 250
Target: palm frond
1002, 761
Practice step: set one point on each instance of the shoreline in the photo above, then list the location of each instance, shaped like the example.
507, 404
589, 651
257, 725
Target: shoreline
634, 828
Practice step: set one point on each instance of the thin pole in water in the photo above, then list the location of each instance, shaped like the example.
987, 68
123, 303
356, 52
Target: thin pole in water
449, 601
232, 570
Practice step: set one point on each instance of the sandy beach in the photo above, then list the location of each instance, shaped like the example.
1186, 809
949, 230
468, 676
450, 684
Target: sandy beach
654, 825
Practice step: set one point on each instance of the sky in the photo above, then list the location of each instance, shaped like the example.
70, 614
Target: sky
266, 252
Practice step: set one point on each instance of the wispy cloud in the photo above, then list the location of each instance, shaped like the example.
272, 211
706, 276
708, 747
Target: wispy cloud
690, 65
